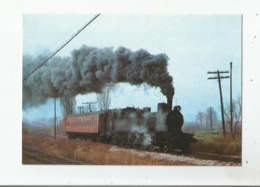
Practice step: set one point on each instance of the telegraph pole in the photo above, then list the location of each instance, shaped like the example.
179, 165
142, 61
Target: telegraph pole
231, 103
220, 93
90, 105
55, 118
80, 109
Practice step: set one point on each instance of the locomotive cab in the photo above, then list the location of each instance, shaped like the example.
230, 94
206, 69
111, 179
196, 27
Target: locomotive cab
174, 138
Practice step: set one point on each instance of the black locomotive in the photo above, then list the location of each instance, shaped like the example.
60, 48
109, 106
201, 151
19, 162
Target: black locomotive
174, 138
132, 127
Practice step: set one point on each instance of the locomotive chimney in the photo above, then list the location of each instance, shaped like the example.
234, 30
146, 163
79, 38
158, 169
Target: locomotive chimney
169, 102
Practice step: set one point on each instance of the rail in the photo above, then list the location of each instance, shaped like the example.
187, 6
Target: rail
49, 158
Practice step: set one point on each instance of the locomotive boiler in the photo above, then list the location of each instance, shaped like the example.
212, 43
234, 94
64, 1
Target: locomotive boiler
132, 127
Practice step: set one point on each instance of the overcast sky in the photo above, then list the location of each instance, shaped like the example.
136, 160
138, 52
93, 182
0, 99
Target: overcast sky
195, 44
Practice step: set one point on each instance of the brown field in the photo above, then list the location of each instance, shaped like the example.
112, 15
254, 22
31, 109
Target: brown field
216, 144
103, 154
92, 153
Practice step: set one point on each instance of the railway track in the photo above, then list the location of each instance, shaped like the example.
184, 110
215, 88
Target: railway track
197, 155
42, 157
224, 158
210, 156
200, 155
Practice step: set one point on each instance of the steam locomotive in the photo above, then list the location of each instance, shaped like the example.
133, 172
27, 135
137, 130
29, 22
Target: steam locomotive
131, 127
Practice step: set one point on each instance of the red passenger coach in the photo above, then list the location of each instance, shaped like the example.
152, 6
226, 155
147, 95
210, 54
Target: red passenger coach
85, 125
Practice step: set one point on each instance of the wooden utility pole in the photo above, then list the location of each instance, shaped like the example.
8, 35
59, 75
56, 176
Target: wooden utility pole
81, 109
220, 93
55, 118
231, 103
90, 105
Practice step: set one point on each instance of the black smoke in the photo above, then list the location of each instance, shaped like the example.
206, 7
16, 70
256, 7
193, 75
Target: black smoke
89, 69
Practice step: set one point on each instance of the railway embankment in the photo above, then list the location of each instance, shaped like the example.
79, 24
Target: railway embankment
95, 153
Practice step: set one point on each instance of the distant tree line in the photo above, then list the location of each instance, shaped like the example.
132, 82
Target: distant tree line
208, 121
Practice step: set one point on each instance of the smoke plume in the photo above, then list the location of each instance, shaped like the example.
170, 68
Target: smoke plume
89, 69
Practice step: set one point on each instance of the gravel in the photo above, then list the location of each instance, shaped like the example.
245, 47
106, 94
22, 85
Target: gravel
175, 158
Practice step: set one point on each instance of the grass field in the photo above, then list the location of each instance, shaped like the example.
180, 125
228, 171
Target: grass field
103, 154
91, 152
216, 144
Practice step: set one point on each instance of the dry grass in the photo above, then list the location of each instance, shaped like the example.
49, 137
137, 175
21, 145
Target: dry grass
93, 153
216, 144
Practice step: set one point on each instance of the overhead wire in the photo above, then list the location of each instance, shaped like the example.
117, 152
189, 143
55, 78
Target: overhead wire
102, 37
108, 32
60, 48
35, 62
166, 25
145, 35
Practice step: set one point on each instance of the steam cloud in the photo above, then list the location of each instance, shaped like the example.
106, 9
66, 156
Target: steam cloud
89, 69
133, 125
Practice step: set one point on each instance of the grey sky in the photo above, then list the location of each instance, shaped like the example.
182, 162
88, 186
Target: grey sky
195, 44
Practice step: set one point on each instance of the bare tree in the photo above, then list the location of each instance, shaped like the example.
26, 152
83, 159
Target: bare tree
200, 118
68, 105
104, 99
237, 114
211, 118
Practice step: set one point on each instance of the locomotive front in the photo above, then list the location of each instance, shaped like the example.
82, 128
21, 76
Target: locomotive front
173, 138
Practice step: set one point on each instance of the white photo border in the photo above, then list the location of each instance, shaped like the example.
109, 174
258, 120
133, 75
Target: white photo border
12, 171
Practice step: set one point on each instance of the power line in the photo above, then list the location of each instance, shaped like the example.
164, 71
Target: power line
53, 54
220, 93
55, 45
157, 30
